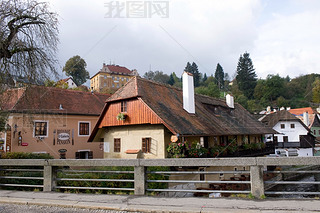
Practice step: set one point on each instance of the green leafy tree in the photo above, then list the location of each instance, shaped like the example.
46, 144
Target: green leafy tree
219, 75
76, 68
316, 91
274, 87
254, 106
157, 76
211, 90
246, 76
242, 100
281, 102
259, 90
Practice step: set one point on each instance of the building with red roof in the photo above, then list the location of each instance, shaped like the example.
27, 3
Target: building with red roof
51, 120
147, 116
111, 78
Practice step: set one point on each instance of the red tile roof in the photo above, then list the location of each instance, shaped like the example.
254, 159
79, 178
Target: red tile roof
38, 99
212, 117
117, 69
300, 111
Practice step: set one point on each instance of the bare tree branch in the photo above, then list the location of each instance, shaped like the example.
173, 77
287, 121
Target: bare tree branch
28, 39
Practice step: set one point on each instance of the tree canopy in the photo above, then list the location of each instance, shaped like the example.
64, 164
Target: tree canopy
76, 68
157, 76
28, 39
246, 76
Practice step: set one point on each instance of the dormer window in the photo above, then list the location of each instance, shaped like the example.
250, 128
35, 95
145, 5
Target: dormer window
282, 126
123, 106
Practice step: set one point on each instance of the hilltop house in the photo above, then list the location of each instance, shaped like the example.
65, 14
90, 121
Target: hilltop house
294, 138
111, 77
69, 81
144, 117
51, 120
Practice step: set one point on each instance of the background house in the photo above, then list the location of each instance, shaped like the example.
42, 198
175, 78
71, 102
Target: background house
51, 120
294, 138
153, 114
69, 81
111, 77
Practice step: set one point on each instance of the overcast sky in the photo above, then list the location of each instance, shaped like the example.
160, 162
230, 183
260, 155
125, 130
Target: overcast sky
282, 36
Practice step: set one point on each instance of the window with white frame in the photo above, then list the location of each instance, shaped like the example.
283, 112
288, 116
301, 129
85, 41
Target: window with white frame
84, 128
41, 128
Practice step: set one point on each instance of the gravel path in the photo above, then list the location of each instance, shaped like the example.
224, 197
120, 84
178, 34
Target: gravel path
9, 208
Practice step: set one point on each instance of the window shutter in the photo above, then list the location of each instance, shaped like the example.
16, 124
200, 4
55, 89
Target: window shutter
77, 155
90, 155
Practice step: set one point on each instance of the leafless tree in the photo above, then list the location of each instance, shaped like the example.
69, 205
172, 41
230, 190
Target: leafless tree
28, 39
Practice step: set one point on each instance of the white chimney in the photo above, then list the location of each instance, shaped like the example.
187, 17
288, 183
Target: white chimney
306, 118
188, 92
268, 109
230, 101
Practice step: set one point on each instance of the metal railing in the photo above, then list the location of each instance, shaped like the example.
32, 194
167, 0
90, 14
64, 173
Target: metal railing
215, 175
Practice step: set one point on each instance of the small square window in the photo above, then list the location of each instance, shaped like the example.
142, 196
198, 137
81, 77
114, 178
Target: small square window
282, 126
84, 128
292, 126
41, 128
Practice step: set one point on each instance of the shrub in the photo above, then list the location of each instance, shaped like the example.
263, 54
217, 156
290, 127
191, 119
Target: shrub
26, 155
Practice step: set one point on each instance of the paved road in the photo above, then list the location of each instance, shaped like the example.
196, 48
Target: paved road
67, 202
10, 208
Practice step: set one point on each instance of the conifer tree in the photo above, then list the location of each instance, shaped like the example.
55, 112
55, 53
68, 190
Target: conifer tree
246, 76
219, 75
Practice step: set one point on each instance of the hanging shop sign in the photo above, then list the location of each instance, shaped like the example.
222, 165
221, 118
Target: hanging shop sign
63, 136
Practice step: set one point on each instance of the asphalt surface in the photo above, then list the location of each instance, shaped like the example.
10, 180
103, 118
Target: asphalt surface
67, 202
25, 208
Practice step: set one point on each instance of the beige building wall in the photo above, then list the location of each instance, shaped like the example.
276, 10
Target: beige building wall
23, 125
131, 139
108, 80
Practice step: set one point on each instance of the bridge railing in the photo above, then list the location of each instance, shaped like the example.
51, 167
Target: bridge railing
56, 174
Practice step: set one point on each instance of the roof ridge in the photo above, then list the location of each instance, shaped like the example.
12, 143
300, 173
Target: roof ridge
179, 89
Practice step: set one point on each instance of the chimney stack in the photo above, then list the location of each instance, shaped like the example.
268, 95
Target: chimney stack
306, 118
230, 101
188, 92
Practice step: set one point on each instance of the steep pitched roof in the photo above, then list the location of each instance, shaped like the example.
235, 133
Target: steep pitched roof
272, 119
38, 99
212, 117
117, 69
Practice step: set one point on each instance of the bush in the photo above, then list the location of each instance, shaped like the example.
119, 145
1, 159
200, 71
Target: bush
25, 155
